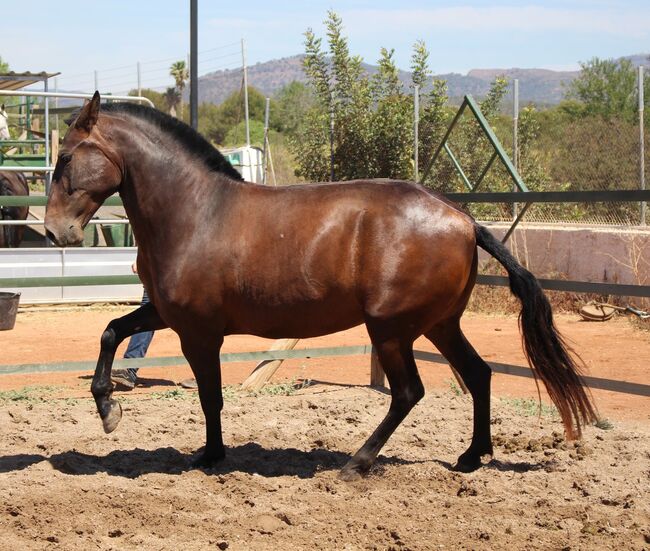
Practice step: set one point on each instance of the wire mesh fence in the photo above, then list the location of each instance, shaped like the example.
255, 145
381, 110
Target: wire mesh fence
557, 151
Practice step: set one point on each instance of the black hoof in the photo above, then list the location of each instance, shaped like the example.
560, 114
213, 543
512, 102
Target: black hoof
208, 460
470, 461
354, 470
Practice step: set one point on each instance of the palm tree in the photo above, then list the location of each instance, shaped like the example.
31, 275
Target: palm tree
172, 98
180, 74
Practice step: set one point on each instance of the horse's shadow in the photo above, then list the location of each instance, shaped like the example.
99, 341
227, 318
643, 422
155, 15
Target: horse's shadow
504, 466
248, 458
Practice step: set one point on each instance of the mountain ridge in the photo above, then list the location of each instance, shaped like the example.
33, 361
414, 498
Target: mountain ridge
540, 86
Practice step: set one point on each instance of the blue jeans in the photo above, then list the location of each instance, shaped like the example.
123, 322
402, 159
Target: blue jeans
139, 342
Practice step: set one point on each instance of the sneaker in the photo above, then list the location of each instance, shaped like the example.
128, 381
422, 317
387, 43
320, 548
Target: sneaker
189, 383
124, 379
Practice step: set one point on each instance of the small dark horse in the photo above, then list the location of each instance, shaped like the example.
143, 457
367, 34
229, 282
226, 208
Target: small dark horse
15, 184
219, 256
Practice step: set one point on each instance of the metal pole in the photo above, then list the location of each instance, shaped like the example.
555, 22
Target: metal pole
194, 66
96, 81
641, 144
266, 139
139, 80
332, 142
56, 103
515, 136
48, 176
243, 58
416, 129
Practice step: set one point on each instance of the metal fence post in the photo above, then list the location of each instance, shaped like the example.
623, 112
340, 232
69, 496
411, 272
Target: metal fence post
416, 129
48, 161
96, 81
641, 145
515, 136
139, 79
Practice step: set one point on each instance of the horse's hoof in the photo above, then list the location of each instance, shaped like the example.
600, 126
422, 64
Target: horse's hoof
207, 461
350, 475
355, 469
468, 463
113, 417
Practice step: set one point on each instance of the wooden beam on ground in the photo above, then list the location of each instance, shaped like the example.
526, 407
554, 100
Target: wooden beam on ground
265, 369
377, 375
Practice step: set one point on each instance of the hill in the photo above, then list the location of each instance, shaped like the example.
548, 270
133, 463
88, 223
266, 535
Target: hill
541, 86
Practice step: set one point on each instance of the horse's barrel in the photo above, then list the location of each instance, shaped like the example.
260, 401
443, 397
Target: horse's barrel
8, 310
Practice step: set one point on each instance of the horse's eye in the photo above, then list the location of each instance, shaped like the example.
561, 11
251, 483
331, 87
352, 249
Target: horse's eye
66, 158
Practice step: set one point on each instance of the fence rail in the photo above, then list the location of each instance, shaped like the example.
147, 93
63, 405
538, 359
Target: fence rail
611, 385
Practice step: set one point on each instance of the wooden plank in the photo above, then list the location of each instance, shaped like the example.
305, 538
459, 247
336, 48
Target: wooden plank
377, 375
265, 369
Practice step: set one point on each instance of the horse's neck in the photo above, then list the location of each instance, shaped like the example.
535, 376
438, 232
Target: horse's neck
162, 203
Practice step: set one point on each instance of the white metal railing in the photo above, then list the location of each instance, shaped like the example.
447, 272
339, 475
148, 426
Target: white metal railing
41, 222
70, 95
73, 95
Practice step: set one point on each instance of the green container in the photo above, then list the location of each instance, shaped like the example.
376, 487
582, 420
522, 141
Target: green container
117, 235
91, 238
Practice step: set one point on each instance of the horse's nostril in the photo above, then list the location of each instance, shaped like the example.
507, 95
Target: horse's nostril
50, 236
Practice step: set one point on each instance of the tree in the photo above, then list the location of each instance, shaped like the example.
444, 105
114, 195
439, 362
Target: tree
172, 99
4, 66
607, 88
180, 74
156, 98
292, 103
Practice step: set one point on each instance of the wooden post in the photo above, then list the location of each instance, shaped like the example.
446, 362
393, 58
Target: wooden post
265, 369
55, 147
377, 375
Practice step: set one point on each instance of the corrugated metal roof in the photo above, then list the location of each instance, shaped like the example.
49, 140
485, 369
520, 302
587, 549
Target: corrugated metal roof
16, 81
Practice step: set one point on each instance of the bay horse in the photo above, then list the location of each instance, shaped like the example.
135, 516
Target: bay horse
13, 184
220, 256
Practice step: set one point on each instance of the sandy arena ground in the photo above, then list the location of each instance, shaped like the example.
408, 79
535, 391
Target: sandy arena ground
67, 485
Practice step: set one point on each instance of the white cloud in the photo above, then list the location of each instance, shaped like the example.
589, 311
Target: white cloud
531, 18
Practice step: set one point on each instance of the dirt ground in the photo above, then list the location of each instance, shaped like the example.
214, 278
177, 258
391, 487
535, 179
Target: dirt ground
67, 485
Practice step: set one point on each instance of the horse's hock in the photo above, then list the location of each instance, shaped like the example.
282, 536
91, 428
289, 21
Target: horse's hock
8, 310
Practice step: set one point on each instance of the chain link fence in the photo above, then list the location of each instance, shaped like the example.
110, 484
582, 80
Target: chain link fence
557, 151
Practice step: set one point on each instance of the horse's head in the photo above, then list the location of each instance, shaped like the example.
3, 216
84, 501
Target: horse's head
87, 171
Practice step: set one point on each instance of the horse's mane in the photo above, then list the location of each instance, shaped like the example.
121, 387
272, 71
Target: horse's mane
196, 144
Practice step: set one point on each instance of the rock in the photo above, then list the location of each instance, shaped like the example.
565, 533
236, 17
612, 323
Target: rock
223, 544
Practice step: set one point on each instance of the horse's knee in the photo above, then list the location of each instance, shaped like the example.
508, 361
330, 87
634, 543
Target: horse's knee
109, 337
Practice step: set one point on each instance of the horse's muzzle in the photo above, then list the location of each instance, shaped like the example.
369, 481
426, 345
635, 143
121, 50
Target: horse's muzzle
71, 236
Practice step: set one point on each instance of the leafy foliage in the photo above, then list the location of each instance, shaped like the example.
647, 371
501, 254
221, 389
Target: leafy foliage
606, 87
4, 66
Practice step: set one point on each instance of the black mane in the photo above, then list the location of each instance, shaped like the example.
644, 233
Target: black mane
185, 134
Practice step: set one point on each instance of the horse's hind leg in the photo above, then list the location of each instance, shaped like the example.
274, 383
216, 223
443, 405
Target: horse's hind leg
396, 358
202, 353
145, 318
476, 374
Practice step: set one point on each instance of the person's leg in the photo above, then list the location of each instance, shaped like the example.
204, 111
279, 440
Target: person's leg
137, 348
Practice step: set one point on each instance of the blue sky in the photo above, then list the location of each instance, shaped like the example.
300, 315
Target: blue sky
77, 37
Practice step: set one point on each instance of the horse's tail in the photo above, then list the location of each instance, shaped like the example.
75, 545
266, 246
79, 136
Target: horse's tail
548, 355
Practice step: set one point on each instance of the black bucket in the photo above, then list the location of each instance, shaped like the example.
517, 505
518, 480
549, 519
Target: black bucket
8, 310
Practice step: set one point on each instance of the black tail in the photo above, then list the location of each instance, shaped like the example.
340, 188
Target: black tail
548, 355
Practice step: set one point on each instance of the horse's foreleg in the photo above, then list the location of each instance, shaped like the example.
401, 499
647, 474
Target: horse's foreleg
144, 318
202, 353
406, 389
476, 374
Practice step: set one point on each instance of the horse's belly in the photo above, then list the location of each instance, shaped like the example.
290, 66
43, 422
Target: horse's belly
302, 320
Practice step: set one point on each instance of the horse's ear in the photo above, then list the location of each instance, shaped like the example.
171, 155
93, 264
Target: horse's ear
88, 116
